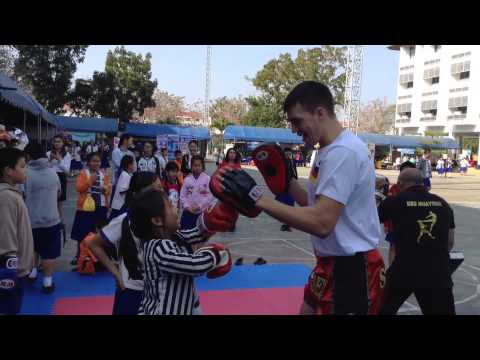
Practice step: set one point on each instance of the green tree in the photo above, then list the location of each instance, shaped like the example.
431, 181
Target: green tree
264, 111
123, 90
325, 64
228, 110
221, 124
48, 70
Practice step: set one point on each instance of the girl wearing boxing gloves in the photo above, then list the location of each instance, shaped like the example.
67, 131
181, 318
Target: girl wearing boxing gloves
128, 233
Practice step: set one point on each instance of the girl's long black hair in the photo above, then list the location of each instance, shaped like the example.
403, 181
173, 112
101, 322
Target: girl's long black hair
144, 206
128, 249
238, 157
126, 160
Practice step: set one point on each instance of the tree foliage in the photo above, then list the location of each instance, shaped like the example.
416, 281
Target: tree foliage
167, 107
122, 91
48, 70
264, 111
377, 116
279, 76
7, 59
228, 110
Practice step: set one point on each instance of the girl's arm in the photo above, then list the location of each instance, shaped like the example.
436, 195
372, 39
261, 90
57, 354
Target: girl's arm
191, 236
64, 164
185, 199
170, 258
96, 245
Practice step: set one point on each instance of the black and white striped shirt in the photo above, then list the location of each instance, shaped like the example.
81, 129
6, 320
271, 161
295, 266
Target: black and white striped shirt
170, 268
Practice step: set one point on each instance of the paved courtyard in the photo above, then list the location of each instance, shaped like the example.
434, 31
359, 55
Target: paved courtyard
261, 237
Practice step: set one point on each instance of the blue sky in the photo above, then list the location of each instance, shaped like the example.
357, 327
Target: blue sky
181, 69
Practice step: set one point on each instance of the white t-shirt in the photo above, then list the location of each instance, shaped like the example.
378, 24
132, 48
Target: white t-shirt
113, 233
162, 162
343, 171
463, 163
62, 166
121, 187
148, 164
77, 156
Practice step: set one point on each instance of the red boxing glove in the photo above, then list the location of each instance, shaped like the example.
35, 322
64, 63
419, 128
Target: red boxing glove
218, 217
223, 260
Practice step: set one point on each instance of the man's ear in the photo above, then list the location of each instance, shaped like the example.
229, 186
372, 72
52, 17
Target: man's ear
157, 221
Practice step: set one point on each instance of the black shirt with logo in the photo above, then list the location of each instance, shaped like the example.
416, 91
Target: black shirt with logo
421, 223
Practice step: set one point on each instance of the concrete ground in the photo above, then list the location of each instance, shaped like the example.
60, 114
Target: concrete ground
261, 237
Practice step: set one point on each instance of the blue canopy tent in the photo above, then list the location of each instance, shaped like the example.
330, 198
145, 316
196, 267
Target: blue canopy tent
259, 134
152, 130
87, 124
17, 107
409, 142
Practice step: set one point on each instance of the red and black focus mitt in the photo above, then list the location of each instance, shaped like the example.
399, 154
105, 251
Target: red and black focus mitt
274, 166
237, 189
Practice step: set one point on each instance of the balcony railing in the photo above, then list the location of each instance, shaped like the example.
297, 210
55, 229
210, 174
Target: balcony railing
456, 117
428, 118
404, 120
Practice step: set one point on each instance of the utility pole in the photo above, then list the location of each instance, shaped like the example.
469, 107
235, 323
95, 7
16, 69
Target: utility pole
353, 85
206, 121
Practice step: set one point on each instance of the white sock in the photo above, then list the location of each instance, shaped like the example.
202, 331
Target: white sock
47, 281
33, 273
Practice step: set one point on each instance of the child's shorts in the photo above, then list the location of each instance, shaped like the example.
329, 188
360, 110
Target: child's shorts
47, 241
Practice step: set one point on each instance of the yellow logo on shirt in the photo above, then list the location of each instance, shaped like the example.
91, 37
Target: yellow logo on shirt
426, 226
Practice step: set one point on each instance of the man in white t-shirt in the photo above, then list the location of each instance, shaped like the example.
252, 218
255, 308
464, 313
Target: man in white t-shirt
338, 209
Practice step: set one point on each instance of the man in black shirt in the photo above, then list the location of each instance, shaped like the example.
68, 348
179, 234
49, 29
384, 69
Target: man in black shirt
424, 235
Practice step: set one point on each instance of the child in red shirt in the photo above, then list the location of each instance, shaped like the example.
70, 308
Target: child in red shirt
171, 184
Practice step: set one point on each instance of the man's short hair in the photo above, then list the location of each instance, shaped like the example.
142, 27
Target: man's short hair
178, 152
411, 176
9, 157
193, 142
310, 95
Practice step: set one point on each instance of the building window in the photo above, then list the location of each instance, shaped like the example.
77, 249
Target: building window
411, 51
435, 80
465, 75
410, 85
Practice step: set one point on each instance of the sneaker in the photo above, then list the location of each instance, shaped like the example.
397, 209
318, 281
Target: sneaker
32, 279
239, 262
260, 261
74, 261
48, 289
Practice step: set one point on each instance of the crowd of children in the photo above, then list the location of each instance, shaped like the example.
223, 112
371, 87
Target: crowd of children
107, 230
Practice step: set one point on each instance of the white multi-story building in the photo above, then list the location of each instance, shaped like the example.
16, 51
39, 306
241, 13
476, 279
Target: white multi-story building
437, 90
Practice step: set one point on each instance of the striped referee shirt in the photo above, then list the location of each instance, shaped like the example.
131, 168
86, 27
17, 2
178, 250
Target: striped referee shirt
170, 268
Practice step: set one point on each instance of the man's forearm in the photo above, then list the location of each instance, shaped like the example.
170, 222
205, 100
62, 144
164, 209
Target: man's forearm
298, 193
304, 218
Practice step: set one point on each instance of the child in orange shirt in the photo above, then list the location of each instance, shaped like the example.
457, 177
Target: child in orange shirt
92, 183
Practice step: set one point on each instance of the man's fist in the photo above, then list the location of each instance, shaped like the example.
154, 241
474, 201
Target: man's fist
218, 217
223, 260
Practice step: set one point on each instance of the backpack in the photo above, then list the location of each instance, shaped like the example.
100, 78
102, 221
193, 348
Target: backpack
86, 259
